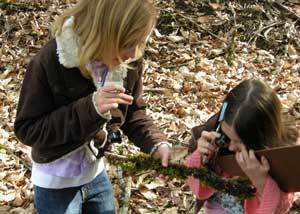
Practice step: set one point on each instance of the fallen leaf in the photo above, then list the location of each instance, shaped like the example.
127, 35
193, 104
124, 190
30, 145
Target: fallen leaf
172, 210
176, 39
148, 194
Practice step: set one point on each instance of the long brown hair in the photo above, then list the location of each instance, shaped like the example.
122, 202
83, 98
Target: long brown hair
255, 112
106, 27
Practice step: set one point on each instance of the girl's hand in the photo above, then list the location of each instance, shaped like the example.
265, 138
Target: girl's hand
109, 97
205, 146
256, 171
163, 153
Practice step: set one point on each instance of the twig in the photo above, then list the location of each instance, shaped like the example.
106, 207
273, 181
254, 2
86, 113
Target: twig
175, 65
109, 154
191, 206
11, 152
287, 9
202, 28
21, 6
126, 187
232, 45
258, 32
158, 90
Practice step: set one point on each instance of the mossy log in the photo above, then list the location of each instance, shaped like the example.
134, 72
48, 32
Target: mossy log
134, 164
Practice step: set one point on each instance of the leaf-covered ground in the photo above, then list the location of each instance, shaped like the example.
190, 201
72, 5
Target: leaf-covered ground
199, 51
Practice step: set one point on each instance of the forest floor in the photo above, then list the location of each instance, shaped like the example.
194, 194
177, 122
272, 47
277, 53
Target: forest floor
198, 52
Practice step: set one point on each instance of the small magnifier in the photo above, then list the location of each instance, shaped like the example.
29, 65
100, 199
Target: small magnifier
223, 140
102, 76
115, 77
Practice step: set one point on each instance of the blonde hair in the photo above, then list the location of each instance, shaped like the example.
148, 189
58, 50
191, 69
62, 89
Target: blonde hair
107, 27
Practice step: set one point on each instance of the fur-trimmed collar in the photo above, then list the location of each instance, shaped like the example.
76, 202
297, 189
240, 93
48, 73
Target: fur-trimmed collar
67, 45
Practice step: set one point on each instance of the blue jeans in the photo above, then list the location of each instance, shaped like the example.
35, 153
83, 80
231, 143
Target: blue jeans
92, 198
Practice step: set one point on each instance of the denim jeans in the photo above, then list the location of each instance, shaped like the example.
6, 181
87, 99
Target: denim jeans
92, 198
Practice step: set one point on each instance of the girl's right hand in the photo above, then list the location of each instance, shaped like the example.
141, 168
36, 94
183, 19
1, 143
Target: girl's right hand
205, 146
109, 97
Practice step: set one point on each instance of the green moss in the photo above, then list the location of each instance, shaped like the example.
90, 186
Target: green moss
3, 4
135, 164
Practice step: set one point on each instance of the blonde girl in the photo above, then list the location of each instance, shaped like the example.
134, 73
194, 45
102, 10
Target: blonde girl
68, 112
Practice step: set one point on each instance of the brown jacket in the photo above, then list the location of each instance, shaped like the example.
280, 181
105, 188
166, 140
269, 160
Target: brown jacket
56, 115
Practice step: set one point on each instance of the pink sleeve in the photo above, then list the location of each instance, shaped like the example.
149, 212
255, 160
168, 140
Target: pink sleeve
201, 192
273, 200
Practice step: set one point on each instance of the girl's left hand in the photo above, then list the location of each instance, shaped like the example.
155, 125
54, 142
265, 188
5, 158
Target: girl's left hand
163, 153
257, 171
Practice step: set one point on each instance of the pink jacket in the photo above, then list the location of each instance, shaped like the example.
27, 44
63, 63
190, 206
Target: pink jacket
272, 201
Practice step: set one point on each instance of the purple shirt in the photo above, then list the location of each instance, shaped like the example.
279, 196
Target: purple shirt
70, 166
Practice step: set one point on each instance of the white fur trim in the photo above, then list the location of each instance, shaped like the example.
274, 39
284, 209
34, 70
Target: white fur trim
67, 45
